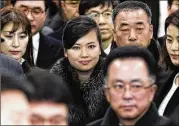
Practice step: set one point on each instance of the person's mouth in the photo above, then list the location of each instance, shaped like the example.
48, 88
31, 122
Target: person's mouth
15, 52
84, 62
174, 56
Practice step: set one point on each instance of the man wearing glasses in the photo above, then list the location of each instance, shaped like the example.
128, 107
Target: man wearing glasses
101, 12
44, 48
130, 74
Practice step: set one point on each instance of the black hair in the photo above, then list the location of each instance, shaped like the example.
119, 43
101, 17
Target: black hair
170, 2
126, 52
85, 5
46, 2
14, 82
49, 87
77, 28
130, 6
174, 20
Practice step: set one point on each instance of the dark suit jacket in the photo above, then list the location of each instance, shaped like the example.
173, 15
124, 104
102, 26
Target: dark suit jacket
150, 118
50, 50
59, 32
175, 115
10, 65
163, 91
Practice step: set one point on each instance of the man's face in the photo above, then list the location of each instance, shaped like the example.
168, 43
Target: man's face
132, 28
70, 8
173, 7
35, 11
103, 17
14, 108
48, 113
126, 93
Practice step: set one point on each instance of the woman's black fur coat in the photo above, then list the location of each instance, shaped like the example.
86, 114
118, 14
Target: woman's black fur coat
89, 101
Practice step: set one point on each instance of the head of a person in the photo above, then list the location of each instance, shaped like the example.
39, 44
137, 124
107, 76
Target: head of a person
132, 24
171, 46
16, 32
130, 74
173, 5
69, 9
14, 100
49, 103
82, 43
34, 10
101, 12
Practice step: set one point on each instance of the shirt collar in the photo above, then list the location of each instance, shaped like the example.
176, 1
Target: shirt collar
35, 41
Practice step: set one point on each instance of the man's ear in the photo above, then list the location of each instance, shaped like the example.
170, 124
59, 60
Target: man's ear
169, 9
62, 4
151, 31
65, 53
153, 91
106, 93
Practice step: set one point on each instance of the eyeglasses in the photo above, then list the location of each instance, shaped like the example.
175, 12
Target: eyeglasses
35, 12
134, 87
106, 15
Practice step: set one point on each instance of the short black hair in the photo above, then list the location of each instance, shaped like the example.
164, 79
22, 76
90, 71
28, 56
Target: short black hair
174, 20
170, 2
77, 28
85, 5
46, 2
14, 82
130, 6
126, 52
49, 87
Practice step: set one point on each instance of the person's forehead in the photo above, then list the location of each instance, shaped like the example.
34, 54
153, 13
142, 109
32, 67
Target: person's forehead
38, 108
31, 4
130, 15
101, 8
132, 66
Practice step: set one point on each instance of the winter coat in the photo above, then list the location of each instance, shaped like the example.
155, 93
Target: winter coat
89, 100
150, 118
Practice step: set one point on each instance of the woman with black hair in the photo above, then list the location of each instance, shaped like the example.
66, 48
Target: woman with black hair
82, 69
167, 99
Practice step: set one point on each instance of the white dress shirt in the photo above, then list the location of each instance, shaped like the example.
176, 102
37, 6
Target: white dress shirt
167, 98
35, 43
108, 49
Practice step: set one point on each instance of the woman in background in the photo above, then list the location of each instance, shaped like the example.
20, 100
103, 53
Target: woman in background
167, 99
16, 36
82, 69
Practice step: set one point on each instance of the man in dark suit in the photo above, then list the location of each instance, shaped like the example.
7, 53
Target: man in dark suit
131, 82
10, 65
45, 49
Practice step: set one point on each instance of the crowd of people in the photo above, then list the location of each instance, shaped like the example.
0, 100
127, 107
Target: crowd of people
89, 62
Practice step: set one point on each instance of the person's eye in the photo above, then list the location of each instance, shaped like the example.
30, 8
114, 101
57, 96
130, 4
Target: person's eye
140, 29
91, 46
119, 86
9, 36
136, 86
23, 36
94, 15
76, 48
168, 40
36, 11
125, 30
107, 14
23, 9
